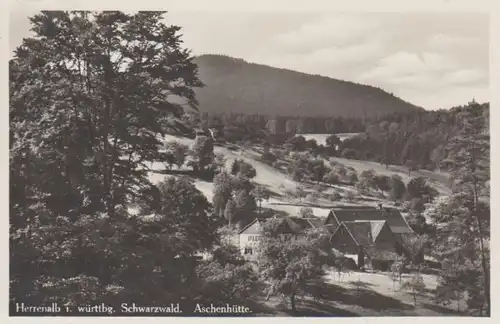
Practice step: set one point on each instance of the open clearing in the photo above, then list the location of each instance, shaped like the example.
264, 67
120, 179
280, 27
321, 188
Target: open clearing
321, 138
278, 183
439, 180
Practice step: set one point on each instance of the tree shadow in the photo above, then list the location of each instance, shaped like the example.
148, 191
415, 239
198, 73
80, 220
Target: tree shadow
361, 296
442, 309
361, 284
308, 308
174, 172
258, 308
268, 213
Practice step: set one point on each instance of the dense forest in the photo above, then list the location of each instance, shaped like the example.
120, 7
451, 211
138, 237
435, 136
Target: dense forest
233, 85
417, 139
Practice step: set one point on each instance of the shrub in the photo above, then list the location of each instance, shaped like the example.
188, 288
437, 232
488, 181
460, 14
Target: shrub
350, 196
331, 177
306, 212
335, 196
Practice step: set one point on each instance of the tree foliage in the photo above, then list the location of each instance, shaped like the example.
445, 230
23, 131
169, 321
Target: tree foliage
415, 286
397, 188
288, 266
202, 153
463, 219
223, 190
91, 96
177, 151
240, 167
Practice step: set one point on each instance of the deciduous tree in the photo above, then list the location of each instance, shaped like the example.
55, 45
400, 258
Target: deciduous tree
415, 285
90, 100
287, 266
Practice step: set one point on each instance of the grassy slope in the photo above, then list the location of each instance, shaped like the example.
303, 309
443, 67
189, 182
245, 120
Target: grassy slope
278, 183
438, 180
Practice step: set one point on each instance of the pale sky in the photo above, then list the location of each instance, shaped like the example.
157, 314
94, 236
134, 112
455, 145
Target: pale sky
431, 60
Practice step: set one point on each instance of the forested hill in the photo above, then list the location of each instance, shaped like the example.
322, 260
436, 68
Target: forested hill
233, 85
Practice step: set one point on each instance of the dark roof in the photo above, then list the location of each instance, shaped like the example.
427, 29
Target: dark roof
330, 228
316, 222
298, 225
392, 216
364, 232
256, 220
291, 225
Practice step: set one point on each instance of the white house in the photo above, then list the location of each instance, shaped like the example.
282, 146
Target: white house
292, 228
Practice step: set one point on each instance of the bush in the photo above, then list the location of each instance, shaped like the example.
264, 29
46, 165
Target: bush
306, 212
352, 177
350, 196
240, 167
335, 196
349, 153
313, 197
268, 158
331, 178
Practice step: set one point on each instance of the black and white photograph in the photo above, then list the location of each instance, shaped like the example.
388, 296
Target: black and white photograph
248, 163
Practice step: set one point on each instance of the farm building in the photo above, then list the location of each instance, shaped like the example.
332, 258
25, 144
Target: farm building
291, 228
371, 236
372, 241
392, 216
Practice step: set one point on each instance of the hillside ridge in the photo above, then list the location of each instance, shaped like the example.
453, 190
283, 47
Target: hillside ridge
235, 85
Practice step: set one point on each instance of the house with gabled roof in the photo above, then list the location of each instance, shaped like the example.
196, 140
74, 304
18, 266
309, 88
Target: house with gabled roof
368, 234
392, 216
362, 233
365, 240
291, 228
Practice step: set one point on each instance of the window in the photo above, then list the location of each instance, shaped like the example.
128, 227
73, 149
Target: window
253, 238
248, 250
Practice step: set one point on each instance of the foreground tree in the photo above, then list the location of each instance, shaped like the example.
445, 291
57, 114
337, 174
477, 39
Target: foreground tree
89, 102
289, 266
227, 277
98, 79
459, 245
466, 216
